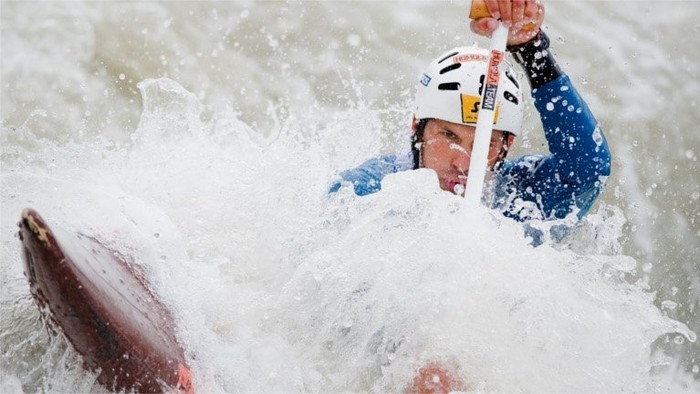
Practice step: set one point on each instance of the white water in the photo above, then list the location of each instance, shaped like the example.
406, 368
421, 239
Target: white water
279, 287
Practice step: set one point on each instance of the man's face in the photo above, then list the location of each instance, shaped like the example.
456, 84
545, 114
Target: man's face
447, 148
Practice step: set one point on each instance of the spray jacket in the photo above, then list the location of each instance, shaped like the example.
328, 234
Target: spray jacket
532, 187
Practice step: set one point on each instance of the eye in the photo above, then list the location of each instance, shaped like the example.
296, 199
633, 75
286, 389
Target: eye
448, 134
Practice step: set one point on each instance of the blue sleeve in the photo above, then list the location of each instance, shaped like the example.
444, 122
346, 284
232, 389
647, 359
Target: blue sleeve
573, 175
367, 178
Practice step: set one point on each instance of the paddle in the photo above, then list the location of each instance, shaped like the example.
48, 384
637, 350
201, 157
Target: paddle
487, 107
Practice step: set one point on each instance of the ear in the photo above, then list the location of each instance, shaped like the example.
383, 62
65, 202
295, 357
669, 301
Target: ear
509, 140
414, 124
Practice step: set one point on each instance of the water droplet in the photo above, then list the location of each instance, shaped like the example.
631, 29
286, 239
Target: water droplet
122, 76
550, 106
668, 304
679, 339
598, 136
354, 40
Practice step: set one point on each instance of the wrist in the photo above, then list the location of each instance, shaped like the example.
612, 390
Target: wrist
539, 40
523, 35
536, 59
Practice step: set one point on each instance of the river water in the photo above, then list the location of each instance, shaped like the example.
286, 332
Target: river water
201, 137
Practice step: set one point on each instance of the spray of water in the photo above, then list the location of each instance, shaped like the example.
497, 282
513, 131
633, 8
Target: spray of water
278, 286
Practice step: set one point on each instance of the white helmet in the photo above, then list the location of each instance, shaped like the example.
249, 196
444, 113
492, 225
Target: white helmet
452, 85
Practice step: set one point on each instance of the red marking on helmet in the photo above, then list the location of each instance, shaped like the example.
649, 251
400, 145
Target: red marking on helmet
493, 76
470, 57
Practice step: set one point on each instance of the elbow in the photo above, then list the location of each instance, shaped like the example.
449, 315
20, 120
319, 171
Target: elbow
604, 158
602, 162
599, 153
592, 165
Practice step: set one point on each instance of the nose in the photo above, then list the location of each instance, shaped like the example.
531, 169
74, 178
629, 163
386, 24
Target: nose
460, 158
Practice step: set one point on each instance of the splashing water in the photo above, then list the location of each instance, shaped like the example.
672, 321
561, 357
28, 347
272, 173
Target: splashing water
220, 191
277, 286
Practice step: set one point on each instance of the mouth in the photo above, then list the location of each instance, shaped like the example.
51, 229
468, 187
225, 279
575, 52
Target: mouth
456, 186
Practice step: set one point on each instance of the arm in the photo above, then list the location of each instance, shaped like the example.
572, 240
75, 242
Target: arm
579, 160
367, 178
572, 176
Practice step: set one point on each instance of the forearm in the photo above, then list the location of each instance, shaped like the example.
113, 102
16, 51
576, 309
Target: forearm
578, 146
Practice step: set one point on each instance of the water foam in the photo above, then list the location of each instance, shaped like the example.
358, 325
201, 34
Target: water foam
277, 286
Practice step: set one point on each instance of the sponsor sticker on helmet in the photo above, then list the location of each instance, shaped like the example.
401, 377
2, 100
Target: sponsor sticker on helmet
469, 57
470, 109
425, 80
492, 77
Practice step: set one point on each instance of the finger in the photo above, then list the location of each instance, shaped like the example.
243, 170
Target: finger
492, 6
484, 26
539, 18
504, 6
531, 9
518, 12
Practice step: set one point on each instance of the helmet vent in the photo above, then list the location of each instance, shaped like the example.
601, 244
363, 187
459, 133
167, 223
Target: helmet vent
450, 68
449, 86
447, 57
510, 97
512, 79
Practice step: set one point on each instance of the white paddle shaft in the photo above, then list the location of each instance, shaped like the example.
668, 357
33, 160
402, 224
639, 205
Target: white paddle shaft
485, 118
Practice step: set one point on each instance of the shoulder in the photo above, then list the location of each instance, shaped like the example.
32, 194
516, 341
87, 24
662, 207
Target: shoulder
367, 177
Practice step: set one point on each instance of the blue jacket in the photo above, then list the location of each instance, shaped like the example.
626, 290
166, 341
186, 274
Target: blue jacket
550, 187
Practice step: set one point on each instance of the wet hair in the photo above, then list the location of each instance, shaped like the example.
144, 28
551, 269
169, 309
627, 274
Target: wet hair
416, 141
